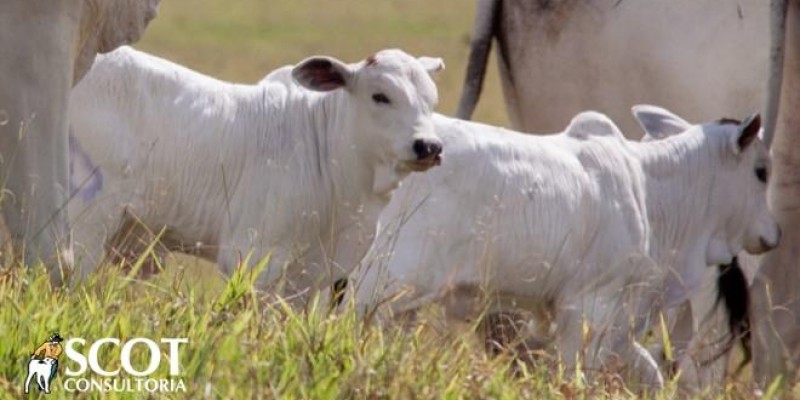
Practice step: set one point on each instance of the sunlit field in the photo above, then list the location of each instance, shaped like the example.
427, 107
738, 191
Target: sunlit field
245, 39
245, 344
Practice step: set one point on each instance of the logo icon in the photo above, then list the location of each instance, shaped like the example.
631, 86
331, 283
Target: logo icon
43, 364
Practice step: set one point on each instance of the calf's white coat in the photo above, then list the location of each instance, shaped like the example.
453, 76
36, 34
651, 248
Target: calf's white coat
298, 167
578, 226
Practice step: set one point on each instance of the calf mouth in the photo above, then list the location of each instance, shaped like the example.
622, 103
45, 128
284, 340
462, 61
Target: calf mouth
762, 247
424, 164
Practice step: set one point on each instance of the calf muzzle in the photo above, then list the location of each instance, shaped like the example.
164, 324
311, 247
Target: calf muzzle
765, 244
428, 152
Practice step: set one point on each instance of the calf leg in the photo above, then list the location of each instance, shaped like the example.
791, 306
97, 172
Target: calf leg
597, 334
704, 359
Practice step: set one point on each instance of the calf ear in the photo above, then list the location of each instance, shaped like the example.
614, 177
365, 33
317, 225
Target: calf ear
432, 64
322, 74
748, 132
658, 122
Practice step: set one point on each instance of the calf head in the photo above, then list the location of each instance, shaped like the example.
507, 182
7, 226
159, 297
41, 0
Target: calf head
761, 231
738, 193
391, 100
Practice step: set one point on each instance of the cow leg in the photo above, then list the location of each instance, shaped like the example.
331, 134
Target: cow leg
28, 380
37, 49
34, 200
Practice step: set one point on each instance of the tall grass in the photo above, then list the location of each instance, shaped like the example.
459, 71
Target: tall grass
246, 344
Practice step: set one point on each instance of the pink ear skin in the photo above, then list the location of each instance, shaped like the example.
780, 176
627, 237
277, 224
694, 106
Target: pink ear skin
322, 74
749, 131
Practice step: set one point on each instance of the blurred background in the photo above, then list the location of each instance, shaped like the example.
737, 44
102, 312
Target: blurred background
243, 40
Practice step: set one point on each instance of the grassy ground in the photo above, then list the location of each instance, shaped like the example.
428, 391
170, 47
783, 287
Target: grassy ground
242, 344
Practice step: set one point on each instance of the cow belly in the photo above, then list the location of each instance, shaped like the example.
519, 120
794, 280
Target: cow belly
608, 59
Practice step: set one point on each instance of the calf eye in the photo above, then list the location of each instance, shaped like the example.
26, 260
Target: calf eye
761, 174
380, 98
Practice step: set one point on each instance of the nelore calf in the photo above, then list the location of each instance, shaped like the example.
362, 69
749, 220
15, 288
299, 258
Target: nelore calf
583, 229
697, 328
296, 169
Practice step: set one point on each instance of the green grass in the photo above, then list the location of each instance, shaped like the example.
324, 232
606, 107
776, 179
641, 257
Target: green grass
245, 344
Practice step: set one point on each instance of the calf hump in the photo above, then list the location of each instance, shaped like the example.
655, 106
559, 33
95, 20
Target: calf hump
591, 123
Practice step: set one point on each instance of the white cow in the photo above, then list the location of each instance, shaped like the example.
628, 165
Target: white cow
39, 372
579, 226
701, 58
557, 58
297, 168
45, 48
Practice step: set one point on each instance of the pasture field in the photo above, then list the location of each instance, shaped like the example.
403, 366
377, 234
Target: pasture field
246, 345
249, 345
245, 39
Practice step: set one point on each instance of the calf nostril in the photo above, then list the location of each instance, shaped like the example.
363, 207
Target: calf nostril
420, 149
424, 149
436, 148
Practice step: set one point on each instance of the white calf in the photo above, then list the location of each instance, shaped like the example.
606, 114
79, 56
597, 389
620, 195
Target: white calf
583, 226
298, 168
717, 316
39, 372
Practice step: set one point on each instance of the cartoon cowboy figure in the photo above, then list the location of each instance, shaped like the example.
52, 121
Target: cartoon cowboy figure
50, 349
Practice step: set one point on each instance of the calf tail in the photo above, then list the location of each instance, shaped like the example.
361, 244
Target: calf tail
733, 292
483, 32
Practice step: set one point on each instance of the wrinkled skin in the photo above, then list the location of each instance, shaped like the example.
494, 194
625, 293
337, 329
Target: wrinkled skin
45, 48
